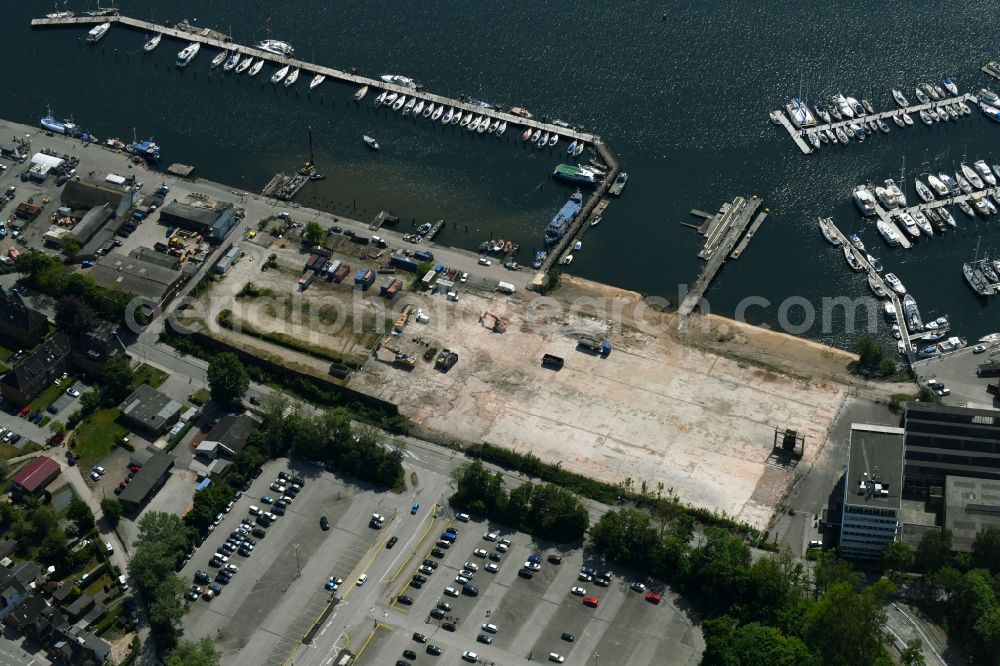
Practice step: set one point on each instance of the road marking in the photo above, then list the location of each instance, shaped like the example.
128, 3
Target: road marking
433, 518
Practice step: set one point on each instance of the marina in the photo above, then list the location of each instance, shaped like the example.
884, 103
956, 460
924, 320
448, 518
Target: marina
801, 134
722, 232
397, 85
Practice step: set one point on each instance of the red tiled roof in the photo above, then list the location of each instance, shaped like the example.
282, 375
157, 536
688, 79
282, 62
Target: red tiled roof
36, 473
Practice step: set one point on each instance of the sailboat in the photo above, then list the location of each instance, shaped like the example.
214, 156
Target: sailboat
257, 66
244, 65
152, 43
280, 74
317, 81
292, 78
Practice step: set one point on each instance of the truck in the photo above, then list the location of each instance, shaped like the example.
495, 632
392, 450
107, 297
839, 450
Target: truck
594, 345
364, 278
391, 288
341, 273
404, 262
505, 287
423, 256
445, 360
989, 369
306, 280
552, 361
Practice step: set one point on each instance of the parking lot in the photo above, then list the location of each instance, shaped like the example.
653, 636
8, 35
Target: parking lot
530, 616
278, 593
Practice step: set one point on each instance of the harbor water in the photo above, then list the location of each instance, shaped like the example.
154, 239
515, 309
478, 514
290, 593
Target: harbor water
682, 97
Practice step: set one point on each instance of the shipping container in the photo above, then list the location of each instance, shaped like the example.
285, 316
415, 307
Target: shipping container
306, 279
391, 288
423, 255
334, 267
341, 273
114, 179
311, 262
550, 361
400, 261
364, 278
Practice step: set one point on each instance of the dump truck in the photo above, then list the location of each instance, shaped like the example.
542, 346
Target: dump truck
594, 345
445, 360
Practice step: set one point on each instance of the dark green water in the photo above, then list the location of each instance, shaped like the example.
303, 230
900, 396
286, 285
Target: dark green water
683, 101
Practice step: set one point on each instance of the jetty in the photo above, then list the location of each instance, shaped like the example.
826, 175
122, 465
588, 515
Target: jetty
722, 233
992, 68
208, 37
798, 134
886, 216
897, 304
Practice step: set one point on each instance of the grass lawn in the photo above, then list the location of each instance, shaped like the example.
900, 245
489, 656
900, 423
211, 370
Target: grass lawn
7, 451
97, 586
50, 394
147, 374
200, 397
96, 437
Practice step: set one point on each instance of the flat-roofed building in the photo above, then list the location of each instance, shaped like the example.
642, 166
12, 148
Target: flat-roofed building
872, 491
149, 410
154, 284
942, 440
211, 218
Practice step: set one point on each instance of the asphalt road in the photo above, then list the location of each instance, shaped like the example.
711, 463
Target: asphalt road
957, 371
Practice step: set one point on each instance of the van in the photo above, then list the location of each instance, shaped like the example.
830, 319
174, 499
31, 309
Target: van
254, 510
462, 517
470, 590
122, 583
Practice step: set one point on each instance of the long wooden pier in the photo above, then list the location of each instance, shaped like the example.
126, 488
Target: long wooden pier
722, 233
208, 38
798, 134
893, 297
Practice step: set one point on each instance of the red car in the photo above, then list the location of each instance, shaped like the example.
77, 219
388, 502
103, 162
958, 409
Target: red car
652, 597
24, 412
122, 484
135, 468
591, 601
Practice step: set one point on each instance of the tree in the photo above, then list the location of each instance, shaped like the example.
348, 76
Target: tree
625, 536
913, 655
831, 570
53, 550
934, 550
118, 379
227, 379
4, 469
720, 569
751, 645
43, 522
112, 510
188, 653
80, 513
166, 605
314, 232
985, 549
208, 503
870, 353
846, 626
478, 491
73, 316
248, 460
162, 539
898, 556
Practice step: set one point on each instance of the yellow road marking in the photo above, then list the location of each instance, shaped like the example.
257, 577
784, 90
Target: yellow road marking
415, 548
378, 626
351, 579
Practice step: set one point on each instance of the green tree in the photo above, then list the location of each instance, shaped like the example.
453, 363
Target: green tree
870, 353
720, 569
118, 379
625, 536
208, 503
43, 522
53, 550
985, 549
248, 460
913, 655
80, 513
830, 570
934, 550
112, 510
898, 556
4, 469
162, 539
166, 606
227, 379
775, 585
188, 653
478, 491
314, 232
752, 645
846, 626
73, 316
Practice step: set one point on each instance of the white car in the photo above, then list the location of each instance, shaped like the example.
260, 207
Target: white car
493, 567
464, 278
72, 392
232, 568
469, 655
490, 628
586, 578
278, 488
483, 261
108, 547
979, 349
638, 587
98, 469
558, 658
451, 592
490, 536
578, 591
472, 566
534, 566
361, 579
461, 580
479, 552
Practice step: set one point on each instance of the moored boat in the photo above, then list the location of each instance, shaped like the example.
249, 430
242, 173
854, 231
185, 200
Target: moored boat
947, 217
219, 58
923, 191
912, 314
864, 199
438, 113
370, 142
876, 287
187, 54
985, 173
971, 175
937, 185
908, 224
559, 224
277, 47
318, 80
244, 65
900, 98
292, 78
922, 222
97, 33
152, 43
419, 108
576, 174
921, 95
501, 128
231, 62
852, 259
446, 118
856, 242
894, 283
826, 228
255, 69
544, 140
950, 85
429, 111
889, 232
280, 74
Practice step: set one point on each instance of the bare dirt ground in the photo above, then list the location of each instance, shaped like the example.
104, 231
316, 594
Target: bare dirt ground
658, 409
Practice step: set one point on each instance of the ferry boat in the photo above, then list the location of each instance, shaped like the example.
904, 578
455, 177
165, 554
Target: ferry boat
97, 33
152, 43
277, 47
826, 228
619, 184
576, 175
561, 220
399, 80
864, 199
187, 54
145, 149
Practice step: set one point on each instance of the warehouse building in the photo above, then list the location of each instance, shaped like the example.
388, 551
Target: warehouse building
84, 194
148, 480
942, 440
35, 477
150, 411
211, 218
154, 284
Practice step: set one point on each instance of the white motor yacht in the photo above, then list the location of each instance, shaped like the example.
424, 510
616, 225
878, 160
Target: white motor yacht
276, 46
864, 199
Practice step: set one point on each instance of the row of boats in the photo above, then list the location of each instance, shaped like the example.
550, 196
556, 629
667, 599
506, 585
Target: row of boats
840, 107
983, 275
